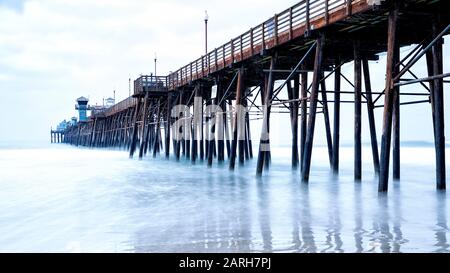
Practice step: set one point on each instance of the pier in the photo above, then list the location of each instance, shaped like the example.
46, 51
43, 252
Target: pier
203, 110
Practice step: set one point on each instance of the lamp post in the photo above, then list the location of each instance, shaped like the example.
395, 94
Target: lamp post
129, 86
155, 63
206, 38
206, 31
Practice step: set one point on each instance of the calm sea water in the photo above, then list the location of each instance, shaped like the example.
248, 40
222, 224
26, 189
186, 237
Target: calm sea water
64, 199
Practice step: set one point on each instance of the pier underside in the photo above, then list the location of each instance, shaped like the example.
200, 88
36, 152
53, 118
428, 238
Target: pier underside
299, 49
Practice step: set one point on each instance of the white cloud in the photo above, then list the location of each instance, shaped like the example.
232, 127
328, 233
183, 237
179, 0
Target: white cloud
53, 51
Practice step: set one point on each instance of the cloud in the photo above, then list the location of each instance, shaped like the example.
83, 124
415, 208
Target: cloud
53, 51
16, 5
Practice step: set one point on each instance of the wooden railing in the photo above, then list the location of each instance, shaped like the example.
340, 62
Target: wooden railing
119, 107
273, 32
150, 83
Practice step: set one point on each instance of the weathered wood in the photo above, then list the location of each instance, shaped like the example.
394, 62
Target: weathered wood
220, 122
337, 118
357, 132
135, 128
242, 139
202, 145
211, 134
91, 142
239, 89
168, 125
326, 118
293, 94
371, 116
388, 102
303, 116
438, 101
197, 124
249, 136
264, 144
396, 120
313, 109
245, 131
145, 121
158, 129
227, 128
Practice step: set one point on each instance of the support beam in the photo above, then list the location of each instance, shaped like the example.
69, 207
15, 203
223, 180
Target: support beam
438, 101
168, 125
158, 129
197, 124
145, 121
294, 107
371, 116
326, 118
396, 120
357, 132
312, 110
388, 102
135, 127
264, 144
220, 122
303, 116
337, 114
91, 141
239, 89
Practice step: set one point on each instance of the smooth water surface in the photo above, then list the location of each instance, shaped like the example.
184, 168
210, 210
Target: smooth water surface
65, 199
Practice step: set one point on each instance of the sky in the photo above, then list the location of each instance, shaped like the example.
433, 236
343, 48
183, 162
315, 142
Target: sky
54, 51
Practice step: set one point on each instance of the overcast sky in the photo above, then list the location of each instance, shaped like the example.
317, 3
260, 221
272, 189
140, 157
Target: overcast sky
54, 51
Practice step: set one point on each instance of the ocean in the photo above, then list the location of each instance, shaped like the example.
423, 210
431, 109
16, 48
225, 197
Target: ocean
58, 198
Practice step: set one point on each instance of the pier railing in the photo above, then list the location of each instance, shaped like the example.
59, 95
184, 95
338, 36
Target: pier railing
150, 83
283, 27
119, 107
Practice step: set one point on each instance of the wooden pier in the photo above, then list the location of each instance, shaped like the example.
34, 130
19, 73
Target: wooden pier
300, 48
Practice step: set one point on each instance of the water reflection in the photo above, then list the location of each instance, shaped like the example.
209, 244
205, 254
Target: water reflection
397, 219
333, 237
163, 206
264, 215
234, 214
359, 230
441, 226
306, 221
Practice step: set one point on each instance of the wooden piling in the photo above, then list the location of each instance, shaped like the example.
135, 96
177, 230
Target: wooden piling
264, 144
293, 94
312, 110
197, 123
145, 122
438, 101
213, 129
357, 131
303, 116
135, 127
337, 117
326, 118
221, 122
239, 88
248, 135
396, 120
227, 117
371, 116
388, 102
168, 125
158, 129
